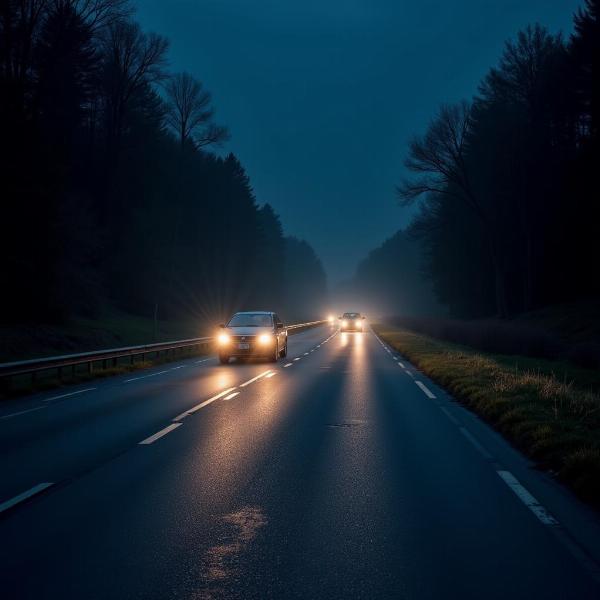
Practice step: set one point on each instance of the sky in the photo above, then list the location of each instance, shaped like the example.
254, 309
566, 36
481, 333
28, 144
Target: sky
322, 96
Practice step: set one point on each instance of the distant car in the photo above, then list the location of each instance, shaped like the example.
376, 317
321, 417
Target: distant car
352, 321
253, 334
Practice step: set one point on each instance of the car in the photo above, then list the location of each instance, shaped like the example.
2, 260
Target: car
352, 321
259, 334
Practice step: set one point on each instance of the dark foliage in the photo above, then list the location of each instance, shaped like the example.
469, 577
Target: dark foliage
504, 337
110, 194
390, 279
305, 281
508, 183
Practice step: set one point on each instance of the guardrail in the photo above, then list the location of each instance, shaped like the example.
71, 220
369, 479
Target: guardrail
109, 358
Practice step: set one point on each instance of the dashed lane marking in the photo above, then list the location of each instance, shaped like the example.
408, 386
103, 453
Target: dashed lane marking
159, 434
254, 379
192, 410
527, 499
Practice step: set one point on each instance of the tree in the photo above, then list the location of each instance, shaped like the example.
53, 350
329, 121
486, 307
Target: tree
439, 160
189, 112
132, 60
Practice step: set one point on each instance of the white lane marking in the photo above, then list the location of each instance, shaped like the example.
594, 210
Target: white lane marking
475, 443
192, 410
145, 376
22, 412
425, 389
179, 367
319, 346
410, 374
288, 365
297, 359
306, 354
36, 489
449, 415
254, 379
272, 374
159, 434
201, 361
69, 394
528, 500
401, 365
230, 396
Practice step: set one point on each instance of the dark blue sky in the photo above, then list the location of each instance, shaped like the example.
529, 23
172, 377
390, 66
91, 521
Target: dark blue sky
321, 96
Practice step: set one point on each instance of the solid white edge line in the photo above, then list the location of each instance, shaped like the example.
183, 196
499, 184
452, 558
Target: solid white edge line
159, 434
527, 499
69, 394
145, 376
254, 379
22, 412
36, 489
192, 410
230, 396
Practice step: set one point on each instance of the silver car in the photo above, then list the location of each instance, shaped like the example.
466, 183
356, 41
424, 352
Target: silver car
253, 334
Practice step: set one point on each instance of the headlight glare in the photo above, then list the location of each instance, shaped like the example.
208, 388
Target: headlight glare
265, 339
223, 339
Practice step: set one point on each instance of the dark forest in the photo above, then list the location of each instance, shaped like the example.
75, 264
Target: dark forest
113, 195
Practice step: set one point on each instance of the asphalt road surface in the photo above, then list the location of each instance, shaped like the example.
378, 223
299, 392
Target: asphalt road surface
341, 472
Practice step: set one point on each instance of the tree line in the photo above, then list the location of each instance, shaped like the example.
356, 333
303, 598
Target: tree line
112, 193
507, 183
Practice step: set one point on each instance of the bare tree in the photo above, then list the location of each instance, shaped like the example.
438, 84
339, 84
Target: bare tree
132, 60
189, 112
100, 13
439, 161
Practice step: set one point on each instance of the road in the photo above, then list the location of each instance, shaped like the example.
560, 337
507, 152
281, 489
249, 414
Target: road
341, 472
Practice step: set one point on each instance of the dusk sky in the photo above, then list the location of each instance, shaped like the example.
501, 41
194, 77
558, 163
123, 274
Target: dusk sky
321, 98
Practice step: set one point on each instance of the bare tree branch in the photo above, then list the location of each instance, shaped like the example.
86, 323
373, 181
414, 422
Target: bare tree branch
189, 112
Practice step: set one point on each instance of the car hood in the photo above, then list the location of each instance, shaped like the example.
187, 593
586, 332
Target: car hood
248, 330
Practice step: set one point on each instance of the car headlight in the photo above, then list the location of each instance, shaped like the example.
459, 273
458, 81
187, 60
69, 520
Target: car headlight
223, 339
344, 323
265, 339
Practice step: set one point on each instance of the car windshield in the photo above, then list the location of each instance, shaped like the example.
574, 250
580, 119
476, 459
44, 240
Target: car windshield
250, 320
351, 315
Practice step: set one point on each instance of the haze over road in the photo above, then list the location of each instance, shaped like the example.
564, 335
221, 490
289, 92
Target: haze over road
341, 472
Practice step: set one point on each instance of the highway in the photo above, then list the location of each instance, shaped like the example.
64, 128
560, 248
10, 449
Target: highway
339, 472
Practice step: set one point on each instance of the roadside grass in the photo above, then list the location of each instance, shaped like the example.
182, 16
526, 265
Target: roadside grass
546, 408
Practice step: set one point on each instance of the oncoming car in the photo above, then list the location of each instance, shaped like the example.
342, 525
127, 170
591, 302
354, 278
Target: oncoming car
352, 321
252, 334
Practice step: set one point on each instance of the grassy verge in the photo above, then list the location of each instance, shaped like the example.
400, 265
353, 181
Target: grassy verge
554, 419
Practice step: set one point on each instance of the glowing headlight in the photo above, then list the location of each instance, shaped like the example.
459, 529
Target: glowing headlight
265, 339
330, 319
223, 339
344, 323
